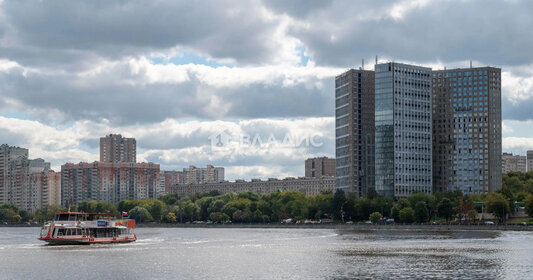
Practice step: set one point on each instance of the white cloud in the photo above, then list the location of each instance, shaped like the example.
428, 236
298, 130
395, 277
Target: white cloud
177, 144
518, 88
517, 145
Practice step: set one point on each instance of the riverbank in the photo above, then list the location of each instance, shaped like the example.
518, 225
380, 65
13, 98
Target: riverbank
350, 226
391, 227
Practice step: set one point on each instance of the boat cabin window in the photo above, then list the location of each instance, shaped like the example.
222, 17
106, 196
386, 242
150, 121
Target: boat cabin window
70, 217
61, 217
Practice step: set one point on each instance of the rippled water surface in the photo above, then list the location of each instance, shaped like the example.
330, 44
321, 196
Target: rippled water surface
231, 253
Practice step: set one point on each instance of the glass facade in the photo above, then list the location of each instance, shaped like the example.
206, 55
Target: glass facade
403, 137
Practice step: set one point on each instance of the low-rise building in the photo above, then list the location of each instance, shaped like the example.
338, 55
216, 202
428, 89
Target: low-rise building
305, 185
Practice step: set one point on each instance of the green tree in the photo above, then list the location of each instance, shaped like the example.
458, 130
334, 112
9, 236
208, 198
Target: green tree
297, 209
375, 217
363, 208
216, 206
189, 210
428, 199
127, 205
155, 207
241, 216
371, 194
170, 217
169, 199
8, 215
395, 211
521, 196
140, 214
445, 208
407, 215
338, 203
421, 212
498, 205
529, 184
529, 205
219, 217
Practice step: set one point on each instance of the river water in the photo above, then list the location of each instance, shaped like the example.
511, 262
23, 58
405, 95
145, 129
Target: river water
258, 253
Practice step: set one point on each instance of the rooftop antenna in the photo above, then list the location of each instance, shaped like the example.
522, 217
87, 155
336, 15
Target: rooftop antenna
376, 59
470, 63
363, 64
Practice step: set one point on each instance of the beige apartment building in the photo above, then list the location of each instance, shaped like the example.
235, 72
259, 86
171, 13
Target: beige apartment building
115, 148
209, 174
305, 185
319, 167
26, 183
109, 182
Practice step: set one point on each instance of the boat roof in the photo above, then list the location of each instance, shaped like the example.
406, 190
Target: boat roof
83, 213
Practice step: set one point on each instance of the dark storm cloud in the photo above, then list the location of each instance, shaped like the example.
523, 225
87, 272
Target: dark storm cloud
111, 29
297, 8
122, 103
74, 36
492, 32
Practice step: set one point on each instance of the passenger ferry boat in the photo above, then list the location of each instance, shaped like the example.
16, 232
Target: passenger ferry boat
73, 228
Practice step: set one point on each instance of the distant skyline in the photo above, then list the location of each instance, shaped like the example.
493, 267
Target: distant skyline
174, 73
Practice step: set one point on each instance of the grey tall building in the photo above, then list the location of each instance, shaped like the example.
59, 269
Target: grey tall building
115, 148
467, 130
354, 131
403, 129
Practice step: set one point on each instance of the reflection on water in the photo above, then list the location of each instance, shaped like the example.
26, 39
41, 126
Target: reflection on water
227, 253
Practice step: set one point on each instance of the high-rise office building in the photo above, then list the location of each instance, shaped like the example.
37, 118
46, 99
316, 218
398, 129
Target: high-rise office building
115, 148
403, 129
467, 131
319, 167
529, 160
354, 131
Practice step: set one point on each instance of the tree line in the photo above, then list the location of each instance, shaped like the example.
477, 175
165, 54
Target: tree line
248, 207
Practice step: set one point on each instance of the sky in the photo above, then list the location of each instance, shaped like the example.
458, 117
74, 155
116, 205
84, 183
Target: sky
176, 74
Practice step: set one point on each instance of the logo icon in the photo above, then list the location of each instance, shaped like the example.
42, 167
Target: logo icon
220, 140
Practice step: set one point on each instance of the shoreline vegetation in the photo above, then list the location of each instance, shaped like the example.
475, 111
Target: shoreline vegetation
356, 227
327, 209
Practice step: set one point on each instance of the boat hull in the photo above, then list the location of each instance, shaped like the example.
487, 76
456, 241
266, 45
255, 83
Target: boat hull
85, 241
